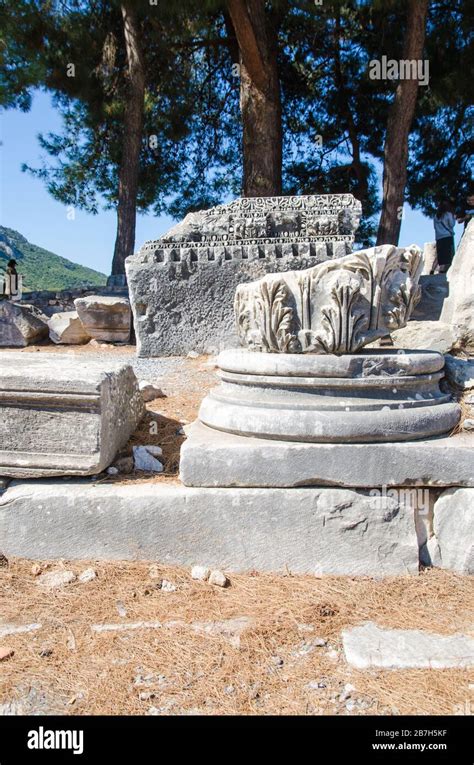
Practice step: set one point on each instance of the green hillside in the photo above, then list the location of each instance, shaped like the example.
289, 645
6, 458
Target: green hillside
41, 269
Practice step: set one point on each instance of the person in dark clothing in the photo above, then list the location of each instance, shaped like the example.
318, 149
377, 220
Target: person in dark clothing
467, 213
444, 222
10, 280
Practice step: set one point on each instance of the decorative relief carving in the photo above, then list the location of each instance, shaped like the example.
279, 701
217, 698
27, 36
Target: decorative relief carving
335, 307
263, 220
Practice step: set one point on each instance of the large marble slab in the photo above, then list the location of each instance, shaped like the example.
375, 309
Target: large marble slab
313, 531
213, 458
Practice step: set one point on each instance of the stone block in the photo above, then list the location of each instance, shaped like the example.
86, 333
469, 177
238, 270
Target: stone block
105, 318
368, 645
66, 328
213, 458
177, 312
64, 415
458, 308
425, 335
21, 325
453, 527
434, 291
429, 257
460, 371
314, 531
178, 309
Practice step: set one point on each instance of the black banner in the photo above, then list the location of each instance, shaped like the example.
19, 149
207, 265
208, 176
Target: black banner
130, 739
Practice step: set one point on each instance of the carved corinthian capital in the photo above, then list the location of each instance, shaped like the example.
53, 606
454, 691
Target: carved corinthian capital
336, 307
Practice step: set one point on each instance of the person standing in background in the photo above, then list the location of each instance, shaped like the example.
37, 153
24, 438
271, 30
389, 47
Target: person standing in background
11, 281
444, 222
467, 212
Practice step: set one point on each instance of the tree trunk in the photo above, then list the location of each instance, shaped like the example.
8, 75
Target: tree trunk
398, 129
259, 97
132, 138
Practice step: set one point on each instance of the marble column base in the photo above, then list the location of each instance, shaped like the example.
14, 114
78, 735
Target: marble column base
372, 396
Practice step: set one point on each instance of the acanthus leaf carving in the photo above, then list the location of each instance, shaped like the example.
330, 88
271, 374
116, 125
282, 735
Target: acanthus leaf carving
335, 307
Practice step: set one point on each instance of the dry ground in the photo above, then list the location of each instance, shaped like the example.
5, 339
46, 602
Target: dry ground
278, 668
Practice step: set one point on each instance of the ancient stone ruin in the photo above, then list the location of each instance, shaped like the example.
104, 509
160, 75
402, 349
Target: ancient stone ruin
304, 378
317, 452
182, 285
335, 307
62, 415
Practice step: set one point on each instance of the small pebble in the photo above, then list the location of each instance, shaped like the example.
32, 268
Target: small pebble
200, 572
145, 458
124, 465
122, 611
6, 653
468, 424
36, 569
316, 685
155, 711
347, 692
149, 391
157, 451
53, 579
218, 579
112, 470
309, 646
71, 642
193, 355
319, 642
87, 576
146, 695
167, 586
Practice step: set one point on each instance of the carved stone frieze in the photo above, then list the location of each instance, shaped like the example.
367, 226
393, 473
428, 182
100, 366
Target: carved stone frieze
228, 232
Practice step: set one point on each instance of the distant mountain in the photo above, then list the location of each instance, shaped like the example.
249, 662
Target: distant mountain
41, 269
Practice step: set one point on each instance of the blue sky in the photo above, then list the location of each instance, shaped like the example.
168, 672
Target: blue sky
26, 206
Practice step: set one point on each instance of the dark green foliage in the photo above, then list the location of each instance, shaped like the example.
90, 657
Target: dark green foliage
442, 140
41, 269
192, 99
190, 140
